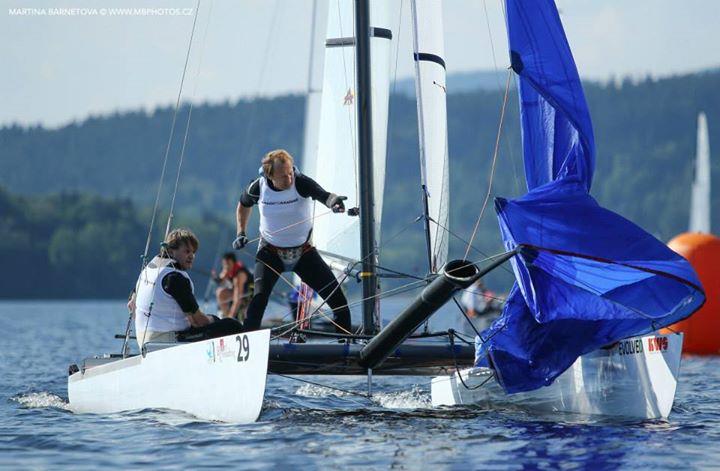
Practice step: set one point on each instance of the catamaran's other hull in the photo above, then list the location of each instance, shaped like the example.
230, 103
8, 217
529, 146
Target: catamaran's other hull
635, 379
219, 379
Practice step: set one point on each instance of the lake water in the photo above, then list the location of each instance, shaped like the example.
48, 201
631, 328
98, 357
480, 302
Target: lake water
312, 427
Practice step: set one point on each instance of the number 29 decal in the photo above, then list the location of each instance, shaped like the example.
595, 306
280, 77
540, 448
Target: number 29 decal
243, 347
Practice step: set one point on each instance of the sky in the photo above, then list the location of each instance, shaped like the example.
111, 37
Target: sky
65, 60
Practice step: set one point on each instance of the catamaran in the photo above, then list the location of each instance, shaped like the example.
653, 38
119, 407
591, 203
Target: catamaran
577, 331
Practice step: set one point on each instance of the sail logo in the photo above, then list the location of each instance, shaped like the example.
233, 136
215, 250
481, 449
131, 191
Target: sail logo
657, 344
630, 347
221, 350
349, 98
271, 203
210, 352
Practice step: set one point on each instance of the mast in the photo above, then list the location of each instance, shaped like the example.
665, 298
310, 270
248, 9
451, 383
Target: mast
367, 203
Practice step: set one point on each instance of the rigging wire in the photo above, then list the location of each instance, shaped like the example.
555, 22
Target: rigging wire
170, 138
318, 310
494, 162
187, 124
340, 282
499, 84
469, 244
404, 288
347, 273
247, 143
143, 262
353, 97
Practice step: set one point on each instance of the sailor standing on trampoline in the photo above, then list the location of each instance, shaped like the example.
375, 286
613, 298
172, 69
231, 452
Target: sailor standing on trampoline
284, 197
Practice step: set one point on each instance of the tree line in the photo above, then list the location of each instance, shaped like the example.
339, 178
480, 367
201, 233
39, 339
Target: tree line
75, 208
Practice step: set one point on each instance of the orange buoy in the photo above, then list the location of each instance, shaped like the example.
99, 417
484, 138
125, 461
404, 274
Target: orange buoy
702, 329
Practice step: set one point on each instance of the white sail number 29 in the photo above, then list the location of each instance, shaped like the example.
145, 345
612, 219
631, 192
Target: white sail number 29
243, 347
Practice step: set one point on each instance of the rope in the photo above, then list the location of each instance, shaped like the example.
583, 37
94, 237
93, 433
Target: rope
359, 262
399, 290
187, 125
143, 261
351, 109
494, 162
451, 336
507, 142
248, 128
170, 138
468, 243
462, 311
402, 289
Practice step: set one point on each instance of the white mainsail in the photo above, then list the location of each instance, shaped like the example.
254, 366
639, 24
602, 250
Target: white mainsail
336, 162
700, 204
314, 87
429, 51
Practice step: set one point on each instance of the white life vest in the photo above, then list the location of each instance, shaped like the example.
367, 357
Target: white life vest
156, 310
285, 216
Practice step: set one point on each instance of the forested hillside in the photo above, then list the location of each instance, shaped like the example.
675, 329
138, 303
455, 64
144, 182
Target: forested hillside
645, 135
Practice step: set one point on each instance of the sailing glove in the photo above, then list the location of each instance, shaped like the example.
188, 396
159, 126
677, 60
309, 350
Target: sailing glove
335, 203
240, 241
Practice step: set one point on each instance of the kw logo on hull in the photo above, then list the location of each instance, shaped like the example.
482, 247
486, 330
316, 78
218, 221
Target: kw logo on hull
658, 344
635, 346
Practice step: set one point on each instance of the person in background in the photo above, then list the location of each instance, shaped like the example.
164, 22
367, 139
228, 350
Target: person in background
480, 304
284, 197
235, 284
164, 301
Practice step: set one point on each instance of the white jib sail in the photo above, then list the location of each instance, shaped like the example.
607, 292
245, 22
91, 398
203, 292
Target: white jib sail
314, 86
336, 163
700, 205
431, 94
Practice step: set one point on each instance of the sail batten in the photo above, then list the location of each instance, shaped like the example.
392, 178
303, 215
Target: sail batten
430, 87
314, 88
336, 163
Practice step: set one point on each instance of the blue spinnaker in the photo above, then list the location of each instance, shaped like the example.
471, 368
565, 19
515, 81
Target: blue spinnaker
585, 276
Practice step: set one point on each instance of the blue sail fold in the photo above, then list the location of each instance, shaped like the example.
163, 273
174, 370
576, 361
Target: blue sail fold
585, 276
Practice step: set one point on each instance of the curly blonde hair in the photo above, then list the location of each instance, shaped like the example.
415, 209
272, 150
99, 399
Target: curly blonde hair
277, 155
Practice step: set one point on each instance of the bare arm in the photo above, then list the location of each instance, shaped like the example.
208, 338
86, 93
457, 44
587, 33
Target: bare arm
198, 319
238, 292
242, 217
131, 303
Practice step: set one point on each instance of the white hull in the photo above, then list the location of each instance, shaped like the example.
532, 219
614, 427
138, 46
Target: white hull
623, 381
219, 379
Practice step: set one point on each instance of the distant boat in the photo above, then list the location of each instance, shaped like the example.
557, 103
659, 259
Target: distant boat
700, 204
702, 249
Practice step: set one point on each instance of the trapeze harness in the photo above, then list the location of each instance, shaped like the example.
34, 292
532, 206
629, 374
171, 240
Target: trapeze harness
285, 223
156, 310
